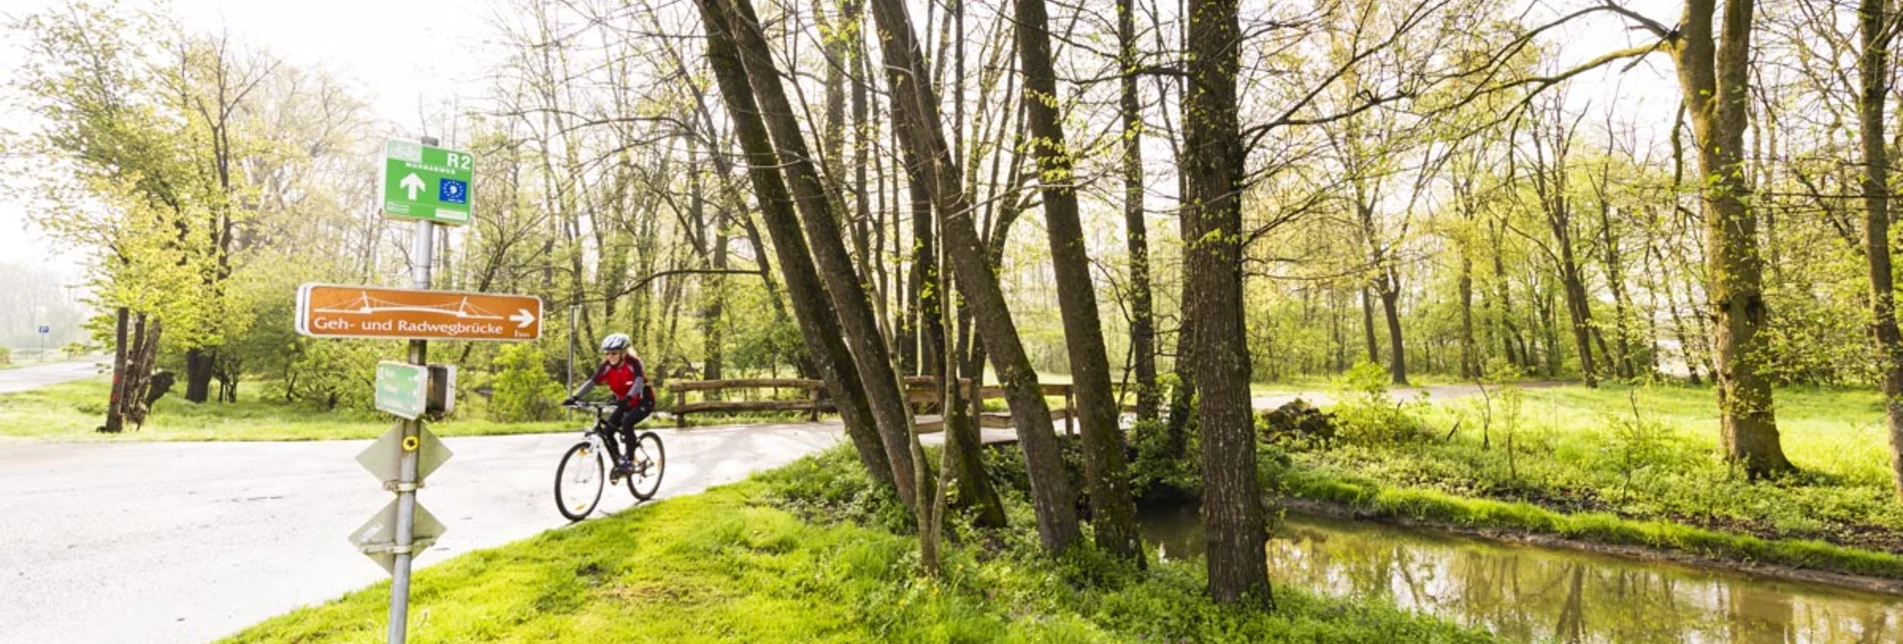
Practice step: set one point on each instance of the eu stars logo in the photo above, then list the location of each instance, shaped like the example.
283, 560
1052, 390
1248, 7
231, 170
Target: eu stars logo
452, 191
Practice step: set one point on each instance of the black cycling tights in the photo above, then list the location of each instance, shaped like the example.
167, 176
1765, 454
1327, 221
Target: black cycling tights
621, 425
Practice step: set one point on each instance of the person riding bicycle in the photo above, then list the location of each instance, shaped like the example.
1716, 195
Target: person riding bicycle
627, 378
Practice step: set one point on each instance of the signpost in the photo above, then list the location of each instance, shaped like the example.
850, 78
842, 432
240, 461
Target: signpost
432, 186
43, 331
333, 311
421, 181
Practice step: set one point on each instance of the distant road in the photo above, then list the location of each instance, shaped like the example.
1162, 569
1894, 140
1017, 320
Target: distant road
36, 376
1433, 393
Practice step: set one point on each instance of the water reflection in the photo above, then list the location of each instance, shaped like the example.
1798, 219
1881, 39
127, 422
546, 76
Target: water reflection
1535, 594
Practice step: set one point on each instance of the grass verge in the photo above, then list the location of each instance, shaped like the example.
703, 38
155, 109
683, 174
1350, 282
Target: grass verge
1434, 506
1648, 454
810, 553
70, 412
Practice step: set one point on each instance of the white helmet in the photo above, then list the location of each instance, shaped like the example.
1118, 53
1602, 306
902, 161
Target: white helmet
615, 342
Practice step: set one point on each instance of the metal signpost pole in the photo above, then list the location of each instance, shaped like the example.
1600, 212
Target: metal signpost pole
422, 253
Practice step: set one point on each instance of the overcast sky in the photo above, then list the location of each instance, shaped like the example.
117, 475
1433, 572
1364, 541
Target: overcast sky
400, 54
404, 55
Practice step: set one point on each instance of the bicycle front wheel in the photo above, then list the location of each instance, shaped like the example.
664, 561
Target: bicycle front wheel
650, 460
578, 481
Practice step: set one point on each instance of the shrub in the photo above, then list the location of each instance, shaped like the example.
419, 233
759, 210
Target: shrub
6, 355
1364, 413
523, 389
1159, 470
1296, 423
331, 374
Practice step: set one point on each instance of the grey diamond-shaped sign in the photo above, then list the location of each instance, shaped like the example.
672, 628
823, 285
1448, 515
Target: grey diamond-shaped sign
384, 458
377, 537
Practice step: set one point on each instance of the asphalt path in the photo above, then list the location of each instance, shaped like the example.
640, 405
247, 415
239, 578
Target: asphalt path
187, 542
36, 376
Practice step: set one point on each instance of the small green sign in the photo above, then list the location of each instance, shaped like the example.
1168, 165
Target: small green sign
402, 389
423, 182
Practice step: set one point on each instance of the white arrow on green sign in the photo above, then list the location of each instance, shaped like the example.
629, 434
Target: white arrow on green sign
402, 388
425, 182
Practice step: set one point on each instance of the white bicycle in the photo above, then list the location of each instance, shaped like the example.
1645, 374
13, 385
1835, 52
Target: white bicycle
582, 474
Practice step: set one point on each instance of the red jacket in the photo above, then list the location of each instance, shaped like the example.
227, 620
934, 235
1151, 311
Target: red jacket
626, 380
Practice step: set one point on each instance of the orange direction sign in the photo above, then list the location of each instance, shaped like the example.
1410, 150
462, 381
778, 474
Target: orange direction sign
336, 311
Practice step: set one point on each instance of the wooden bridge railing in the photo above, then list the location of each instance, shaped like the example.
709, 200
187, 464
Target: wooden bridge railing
813, 403
920, 390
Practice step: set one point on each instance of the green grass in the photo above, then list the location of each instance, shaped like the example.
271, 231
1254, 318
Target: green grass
810, 554
1577, 452
70, 411
1600, 527
19, 362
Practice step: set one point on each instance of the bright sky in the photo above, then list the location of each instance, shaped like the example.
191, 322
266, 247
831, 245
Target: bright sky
407, 56
403, 55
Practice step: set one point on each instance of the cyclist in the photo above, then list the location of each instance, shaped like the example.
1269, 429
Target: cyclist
627, 378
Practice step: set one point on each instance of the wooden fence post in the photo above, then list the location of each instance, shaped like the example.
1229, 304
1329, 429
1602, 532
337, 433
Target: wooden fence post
1070, 411
680, 400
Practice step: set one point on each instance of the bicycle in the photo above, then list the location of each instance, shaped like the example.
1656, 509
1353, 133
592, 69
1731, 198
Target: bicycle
581, 476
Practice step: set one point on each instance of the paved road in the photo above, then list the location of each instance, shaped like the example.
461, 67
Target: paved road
185, 542
33, 377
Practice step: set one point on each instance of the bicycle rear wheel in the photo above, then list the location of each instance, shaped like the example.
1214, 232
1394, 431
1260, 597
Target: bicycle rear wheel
579, 481
650, 461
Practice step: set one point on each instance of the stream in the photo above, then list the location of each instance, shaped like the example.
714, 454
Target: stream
1533, 594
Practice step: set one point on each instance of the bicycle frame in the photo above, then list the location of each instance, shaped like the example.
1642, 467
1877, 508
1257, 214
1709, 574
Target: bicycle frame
594, 433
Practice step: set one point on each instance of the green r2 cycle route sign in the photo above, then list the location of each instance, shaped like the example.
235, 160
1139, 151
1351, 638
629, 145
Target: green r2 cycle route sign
429, 183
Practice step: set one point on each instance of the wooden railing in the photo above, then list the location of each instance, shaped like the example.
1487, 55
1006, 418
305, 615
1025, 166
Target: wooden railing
920, 390
813, 403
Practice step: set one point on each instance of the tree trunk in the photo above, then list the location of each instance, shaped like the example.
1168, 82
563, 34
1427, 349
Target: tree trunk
1136, 230
962, 437
1232, 497
1615, 281
198, 363
1367, 326
1579, 312
915, 111
115, 416
1113, 511
851, 303
1469, 368
925, 303
811, 306
1389, 288
1712, 71
1873, 70
1182, 397
714, 284
1572, 287
139, 364
1503, 287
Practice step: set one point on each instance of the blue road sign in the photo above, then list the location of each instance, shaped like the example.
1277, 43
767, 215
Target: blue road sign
45, 330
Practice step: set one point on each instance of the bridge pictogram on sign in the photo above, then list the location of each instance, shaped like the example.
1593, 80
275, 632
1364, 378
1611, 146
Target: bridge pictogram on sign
333, 311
